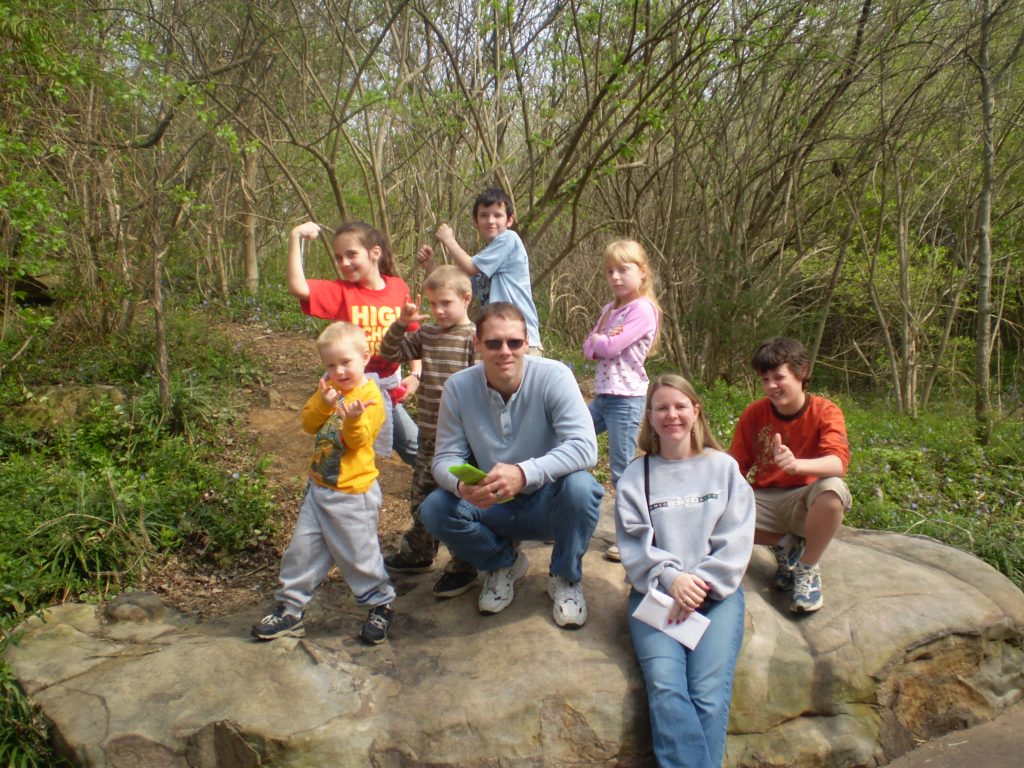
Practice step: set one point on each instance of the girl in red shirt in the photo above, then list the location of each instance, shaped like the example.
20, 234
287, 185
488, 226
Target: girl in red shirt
369, 294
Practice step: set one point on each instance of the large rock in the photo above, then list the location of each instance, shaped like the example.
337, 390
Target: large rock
915, 639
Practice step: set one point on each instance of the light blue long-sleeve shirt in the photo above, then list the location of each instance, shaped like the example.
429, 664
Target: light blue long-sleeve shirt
505, 276
544, 427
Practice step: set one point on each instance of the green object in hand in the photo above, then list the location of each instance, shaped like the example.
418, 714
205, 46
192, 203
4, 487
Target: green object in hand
471, 475
467, 473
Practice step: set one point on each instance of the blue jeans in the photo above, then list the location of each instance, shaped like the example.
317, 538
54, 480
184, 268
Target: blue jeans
406, 435
620, 417
565, 511
689, 692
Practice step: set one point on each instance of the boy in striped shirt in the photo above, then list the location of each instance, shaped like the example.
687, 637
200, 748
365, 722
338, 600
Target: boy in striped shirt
445, 346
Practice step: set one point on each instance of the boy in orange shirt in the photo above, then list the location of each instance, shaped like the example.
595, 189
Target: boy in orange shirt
338, 518
796, 445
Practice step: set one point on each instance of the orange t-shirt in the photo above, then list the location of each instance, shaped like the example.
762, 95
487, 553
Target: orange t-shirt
816, 430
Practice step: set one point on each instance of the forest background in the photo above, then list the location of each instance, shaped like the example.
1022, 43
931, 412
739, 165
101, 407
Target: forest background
847, 172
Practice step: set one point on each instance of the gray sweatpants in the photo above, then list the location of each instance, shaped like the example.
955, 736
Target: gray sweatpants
335, 527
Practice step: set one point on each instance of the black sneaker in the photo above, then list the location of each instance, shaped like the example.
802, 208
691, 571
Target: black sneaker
399, 563
375, 630
454, 584
279, 624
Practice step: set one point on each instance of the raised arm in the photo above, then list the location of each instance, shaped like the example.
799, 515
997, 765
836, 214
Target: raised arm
297, 285
462, 260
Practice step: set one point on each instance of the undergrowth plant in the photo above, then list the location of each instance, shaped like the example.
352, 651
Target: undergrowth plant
88, 501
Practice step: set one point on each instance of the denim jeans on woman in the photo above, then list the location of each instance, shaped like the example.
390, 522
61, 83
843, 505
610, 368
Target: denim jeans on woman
689, 692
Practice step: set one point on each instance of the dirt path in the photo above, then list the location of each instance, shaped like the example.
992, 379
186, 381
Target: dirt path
272, 419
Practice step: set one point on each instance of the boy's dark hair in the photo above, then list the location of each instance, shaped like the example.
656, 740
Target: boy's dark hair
370, 237
781, 350
500, 309
491, 196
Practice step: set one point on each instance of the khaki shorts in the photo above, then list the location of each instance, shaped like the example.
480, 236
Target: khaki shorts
784, 510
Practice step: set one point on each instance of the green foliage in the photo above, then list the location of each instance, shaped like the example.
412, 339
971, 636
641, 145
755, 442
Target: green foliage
23, 736
85, 504
928, 476
271, 306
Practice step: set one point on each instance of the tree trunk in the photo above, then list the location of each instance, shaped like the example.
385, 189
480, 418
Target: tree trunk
252, 270
983, 348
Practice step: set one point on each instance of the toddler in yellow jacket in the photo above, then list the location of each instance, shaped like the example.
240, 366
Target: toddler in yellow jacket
338, 519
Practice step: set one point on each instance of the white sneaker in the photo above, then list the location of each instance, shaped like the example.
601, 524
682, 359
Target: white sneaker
570, 609
499, 586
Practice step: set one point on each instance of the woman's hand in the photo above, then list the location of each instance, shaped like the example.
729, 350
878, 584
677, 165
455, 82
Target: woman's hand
688, 592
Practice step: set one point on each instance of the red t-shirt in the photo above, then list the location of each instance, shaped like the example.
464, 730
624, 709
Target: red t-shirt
816, 430
372, 310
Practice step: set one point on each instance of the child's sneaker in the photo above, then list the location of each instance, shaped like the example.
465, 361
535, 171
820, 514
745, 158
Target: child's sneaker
399, 563
279, 624
806, 588
786, 558
454, 584
375, 630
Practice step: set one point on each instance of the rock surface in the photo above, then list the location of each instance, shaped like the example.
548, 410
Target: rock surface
915, 639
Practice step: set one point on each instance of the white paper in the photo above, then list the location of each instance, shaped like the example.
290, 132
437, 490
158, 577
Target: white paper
653, 610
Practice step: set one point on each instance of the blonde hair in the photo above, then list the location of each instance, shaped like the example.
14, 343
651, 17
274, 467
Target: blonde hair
620, 252
340, 333
448, 277
701, 437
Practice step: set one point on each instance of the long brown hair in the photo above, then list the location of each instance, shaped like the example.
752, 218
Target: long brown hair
370, 237
701, 436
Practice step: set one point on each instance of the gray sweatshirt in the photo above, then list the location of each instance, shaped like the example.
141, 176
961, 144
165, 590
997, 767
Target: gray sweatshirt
703, 522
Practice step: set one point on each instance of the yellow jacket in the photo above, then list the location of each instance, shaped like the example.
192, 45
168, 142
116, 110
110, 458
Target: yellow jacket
343, 456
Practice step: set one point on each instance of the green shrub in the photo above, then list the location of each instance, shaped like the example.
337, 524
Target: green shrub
85, 505
927, 475
23, 733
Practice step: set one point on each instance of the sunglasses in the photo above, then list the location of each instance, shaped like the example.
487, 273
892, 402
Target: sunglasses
495, 344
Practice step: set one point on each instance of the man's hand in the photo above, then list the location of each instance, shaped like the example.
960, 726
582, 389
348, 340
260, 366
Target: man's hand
687, 592
503, 482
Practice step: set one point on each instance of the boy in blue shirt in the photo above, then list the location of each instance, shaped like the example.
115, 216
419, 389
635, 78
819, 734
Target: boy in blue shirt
501, 271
